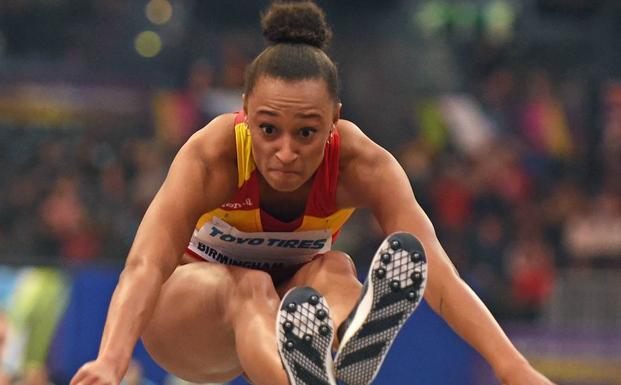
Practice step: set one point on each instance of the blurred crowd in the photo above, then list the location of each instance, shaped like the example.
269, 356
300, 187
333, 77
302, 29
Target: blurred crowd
518, 167
514, 187
506, 175
518, 170
74, 196
505, 172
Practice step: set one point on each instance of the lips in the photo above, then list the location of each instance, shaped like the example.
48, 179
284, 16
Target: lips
284, 172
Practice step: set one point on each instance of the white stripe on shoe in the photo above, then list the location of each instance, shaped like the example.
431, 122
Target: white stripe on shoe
305, 332
392, 291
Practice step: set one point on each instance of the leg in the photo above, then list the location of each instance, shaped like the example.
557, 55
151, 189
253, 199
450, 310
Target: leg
368, 319
214, 321
254, 319
332, 274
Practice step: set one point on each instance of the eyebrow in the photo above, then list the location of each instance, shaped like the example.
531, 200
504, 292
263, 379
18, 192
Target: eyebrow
309, 115
304, 115
268, 112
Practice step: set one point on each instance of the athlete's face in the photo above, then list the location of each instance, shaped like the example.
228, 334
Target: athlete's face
290, 122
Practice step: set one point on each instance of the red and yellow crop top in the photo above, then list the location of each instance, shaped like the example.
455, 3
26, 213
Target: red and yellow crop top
240, 233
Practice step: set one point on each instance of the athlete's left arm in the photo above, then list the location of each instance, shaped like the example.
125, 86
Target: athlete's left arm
373, 178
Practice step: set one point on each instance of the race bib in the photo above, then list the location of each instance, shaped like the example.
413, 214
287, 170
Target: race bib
217, 241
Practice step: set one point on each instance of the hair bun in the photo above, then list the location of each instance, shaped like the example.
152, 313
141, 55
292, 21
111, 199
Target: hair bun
296, 23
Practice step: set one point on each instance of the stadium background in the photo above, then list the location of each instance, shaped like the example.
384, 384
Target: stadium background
505, 114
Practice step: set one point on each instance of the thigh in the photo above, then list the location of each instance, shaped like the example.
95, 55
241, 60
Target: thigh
189, 333
333, 274
324, 272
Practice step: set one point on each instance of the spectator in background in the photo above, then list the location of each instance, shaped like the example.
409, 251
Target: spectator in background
64, 213
225, 95
177, 113
488, 243
544, 128
544, 122
452, 196
150, 172
499, 98
593, 236
565, 201
499, 172
529, 264
114, 211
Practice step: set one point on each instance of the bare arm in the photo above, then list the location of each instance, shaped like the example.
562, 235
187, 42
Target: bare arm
374, 179
161, 240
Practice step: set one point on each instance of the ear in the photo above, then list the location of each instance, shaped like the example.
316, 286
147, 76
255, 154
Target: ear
337, 113
245, 104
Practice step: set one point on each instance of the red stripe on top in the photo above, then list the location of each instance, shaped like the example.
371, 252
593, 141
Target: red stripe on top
269, 223
322, 198
240, 117
247, 195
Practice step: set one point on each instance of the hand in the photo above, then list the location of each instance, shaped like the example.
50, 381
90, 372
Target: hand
524, 375
96, 372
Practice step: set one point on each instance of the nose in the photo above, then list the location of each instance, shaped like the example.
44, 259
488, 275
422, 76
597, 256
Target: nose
286, 152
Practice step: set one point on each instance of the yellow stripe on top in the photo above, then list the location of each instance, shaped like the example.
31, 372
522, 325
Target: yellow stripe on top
245, 164
333, 222
244, 220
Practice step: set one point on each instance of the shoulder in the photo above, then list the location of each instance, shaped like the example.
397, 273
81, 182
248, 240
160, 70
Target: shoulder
204, 170
357, 149
361, 160
214, 144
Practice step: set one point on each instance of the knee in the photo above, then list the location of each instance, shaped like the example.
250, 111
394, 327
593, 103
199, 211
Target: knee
254, 285
253, 294
337, 262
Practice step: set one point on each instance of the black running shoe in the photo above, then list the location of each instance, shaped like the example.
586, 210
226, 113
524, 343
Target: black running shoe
305, 332
392, 291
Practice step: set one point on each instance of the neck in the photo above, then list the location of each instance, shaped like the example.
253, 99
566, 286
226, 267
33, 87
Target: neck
284, 205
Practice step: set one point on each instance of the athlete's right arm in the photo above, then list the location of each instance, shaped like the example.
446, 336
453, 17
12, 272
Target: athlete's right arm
202, 176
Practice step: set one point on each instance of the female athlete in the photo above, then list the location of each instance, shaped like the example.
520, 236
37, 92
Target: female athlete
231, 271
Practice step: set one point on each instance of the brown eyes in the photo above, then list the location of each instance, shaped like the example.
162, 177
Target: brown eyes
269, 130
307, 132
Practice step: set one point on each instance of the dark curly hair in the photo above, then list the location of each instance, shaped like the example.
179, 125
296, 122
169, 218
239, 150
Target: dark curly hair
297, 34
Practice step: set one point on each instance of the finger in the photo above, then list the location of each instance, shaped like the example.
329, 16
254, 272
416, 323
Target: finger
89, 380
78, 377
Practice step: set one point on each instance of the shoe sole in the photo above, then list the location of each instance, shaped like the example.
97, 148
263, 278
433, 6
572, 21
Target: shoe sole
392, 291
305, 332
